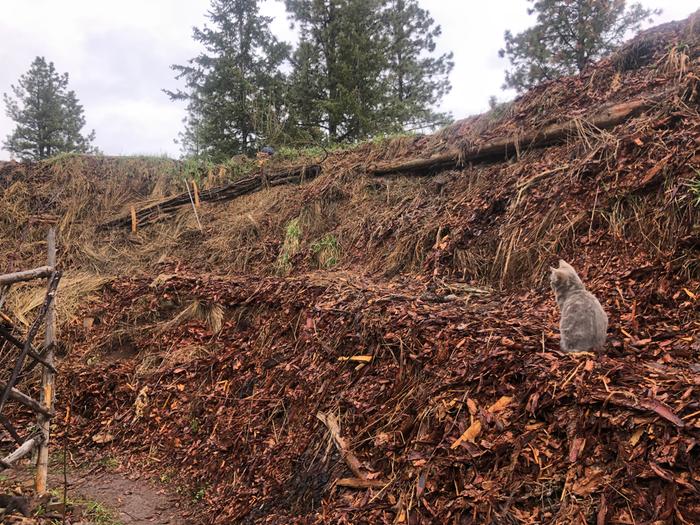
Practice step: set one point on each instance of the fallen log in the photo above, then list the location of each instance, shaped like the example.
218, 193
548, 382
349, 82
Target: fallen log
221, 193
503, 148
26, 275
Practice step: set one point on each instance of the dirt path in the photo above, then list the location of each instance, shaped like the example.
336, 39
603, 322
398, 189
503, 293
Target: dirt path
129, 500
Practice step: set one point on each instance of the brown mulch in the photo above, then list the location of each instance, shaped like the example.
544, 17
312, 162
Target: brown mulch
571, 437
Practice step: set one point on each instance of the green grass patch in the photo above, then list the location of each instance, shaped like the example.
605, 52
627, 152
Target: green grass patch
98, 514
290, 246
327, 251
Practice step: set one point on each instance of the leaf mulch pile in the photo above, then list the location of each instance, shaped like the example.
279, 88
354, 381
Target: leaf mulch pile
406, 368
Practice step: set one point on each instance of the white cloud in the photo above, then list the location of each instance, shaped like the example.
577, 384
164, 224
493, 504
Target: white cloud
118, 55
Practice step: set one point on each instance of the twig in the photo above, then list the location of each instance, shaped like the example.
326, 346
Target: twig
66, 426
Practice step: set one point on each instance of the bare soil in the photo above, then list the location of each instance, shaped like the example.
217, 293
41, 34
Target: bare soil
132, 499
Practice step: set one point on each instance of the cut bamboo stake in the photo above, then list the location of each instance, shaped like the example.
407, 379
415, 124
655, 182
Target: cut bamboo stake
27, 275
47, 382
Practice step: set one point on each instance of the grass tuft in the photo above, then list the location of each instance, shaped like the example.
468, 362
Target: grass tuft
327, 251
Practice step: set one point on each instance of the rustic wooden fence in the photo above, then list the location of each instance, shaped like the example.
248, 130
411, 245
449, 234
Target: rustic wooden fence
26, 360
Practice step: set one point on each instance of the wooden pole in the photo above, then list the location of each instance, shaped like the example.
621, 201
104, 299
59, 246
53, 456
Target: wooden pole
22, 451
24, 399
226, 192
27, 275
133, 219
47, 382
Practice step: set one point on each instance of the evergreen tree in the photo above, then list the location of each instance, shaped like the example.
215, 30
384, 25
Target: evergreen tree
48, 116
306, 91
417, 79
338, 85
568, 35
236, 85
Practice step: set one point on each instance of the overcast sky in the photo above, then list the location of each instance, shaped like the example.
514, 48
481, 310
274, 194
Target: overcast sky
118, 55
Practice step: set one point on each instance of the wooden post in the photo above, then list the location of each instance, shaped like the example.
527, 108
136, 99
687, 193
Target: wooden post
47, 382
194, 207
196, 193
133, 219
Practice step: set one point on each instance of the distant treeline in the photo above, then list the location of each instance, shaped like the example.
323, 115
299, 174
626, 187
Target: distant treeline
360, 68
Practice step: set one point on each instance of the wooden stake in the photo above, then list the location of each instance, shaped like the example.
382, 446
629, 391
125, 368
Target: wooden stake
194, 207
196, 193
133, 219
43, 311
47, 381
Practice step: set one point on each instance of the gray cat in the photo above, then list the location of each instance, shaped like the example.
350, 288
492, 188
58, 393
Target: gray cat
583, 324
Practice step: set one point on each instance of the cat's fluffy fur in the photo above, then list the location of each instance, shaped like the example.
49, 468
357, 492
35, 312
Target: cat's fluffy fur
584, 324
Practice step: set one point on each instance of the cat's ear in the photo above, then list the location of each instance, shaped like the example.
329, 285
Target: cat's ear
555, 277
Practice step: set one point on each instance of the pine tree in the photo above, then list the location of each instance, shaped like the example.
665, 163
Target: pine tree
236, 86
417, 79
305, 94
568, 35
338, 84
48, 116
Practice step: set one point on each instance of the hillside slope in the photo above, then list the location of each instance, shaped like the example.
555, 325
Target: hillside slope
410, 309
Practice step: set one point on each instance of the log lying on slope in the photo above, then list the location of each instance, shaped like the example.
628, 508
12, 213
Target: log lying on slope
221, 193
503, 148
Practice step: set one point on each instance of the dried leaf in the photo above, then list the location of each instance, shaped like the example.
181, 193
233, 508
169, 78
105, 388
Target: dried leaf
500, 404
469, 435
